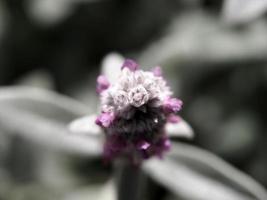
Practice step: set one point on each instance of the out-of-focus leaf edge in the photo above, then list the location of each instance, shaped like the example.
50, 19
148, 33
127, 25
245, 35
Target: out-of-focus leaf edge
184, 181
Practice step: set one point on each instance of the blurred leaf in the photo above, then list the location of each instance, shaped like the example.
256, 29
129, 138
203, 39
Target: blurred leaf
42, 116
85, 125
180, 130
43, 102
193, 173
198, 39
104, 192
39, 78
51, 12
111, 66
236, 11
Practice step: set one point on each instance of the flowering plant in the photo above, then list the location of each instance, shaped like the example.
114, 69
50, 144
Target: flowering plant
138, 112
41, 117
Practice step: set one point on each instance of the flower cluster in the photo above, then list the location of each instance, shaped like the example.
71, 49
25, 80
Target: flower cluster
134, 112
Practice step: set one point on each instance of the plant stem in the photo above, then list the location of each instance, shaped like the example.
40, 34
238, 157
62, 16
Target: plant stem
129, 181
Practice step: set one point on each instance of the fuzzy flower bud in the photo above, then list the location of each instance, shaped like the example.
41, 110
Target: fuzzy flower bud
135, 110
120, 99
138, 96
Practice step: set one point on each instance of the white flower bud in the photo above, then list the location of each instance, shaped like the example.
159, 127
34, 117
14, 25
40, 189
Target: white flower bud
138, 96
152, 88
120, 99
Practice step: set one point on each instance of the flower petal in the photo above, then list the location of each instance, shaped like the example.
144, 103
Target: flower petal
172, 105
102, 83
130, 64
111, 66
157, 71
85, 125
105, 119
143, 145
180, 129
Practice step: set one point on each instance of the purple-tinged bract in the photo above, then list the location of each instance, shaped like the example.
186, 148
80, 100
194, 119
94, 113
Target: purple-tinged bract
130, 64
102, 83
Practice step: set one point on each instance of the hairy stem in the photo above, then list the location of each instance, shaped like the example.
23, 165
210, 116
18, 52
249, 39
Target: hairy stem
129, 181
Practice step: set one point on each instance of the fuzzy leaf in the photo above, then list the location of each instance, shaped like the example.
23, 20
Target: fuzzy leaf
197, 174
111, 66
180, 129
42, 116
236, 11
85, 125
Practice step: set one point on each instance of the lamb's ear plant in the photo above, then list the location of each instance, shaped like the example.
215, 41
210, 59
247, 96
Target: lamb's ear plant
187, 172
137, 115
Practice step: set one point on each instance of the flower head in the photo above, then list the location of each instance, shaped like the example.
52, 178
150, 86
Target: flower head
141, 103
137, 112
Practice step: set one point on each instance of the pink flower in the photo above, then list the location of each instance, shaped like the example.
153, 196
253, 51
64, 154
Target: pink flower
137, 100
137, 113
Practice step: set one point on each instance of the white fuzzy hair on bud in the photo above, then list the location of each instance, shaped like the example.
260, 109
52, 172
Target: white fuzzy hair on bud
138, 96
134, 88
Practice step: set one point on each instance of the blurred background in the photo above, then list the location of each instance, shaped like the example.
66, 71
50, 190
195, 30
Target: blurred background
214, 54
